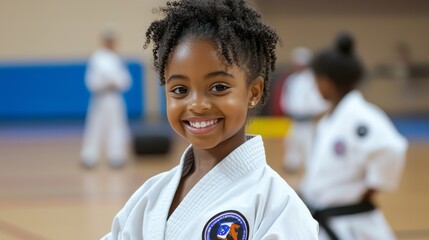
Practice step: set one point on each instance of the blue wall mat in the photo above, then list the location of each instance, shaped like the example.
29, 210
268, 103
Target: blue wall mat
53, 90
134, 96
413, 127
162, 101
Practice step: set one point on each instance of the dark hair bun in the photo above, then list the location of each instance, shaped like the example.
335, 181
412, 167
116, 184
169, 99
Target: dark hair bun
345, 43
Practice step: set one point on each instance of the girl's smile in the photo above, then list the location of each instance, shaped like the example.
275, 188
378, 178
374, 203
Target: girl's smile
201, 125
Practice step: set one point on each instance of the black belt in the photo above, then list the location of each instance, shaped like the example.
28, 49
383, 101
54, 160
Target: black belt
323, 215
302, 118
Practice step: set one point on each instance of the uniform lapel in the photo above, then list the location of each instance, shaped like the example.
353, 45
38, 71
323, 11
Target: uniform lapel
158, 219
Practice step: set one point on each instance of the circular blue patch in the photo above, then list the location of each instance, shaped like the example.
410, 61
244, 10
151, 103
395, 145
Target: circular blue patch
228, 225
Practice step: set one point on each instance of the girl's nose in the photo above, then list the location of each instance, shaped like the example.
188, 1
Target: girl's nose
199, 103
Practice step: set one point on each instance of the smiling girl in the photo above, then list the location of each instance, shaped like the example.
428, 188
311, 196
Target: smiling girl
214, 58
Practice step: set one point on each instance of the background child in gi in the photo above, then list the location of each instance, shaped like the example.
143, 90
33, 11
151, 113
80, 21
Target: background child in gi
214, 58
302, 102
106, 127
357, 151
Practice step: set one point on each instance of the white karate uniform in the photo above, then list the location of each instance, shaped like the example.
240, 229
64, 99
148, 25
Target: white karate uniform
106, 78
302, 101
356, 148
241, 183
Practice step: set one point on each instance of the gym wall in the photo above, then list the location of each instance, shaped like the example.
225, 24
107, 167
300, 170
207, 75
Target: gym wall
55, 31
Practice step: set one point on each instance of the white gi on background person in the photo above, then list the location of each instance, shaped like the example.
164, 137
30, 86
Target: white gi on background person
302, 102
357, 152
223, 187
106, 127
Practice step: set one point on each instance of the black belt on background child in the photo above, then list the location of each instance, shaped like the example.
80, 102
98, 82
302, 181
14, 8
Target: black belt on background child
302, 118
323, 215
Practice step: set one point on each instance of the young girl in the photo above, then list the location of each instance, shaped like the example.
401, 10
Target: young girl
357, 151
214, 58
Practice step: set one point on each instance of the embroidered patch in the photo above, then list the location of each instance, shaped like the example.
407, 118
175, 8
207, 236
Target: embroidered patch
340, 148
362, 131
227, 225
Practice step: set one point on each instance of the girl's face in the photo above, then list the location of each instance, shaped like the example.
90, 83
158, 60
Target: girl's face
207, 101
326, 87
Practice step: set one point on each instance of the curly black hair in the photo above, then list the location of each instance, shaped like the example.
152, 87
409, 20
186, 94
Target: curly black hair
237, 30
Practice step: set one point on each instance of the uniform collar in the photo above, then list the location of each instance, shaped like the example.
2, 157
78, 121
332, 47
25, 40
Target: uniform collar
244, 159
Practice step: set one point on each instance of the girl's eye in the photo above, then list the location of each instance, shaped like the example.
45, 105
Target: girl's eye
219, 87
179, 90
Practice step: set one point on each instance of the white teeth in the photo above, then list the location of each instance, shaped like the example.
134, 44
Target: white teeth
202, 124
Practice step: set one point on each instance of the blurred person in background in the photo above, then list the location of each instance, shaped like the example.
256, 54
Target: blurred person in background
106, 125
302, 102
357, 152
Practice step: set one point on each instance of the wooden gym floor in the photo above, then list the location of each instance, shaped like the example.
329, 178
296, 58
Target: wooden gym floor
46, 194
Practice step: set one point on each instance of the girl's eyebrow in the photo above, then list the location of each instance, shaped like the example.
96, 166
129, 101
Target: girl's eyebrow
176, 76
219, 73
210, 75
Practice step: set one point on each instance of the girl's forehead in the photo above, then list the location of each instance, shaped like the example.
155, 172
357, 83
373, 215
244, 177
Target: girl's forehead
196, 52
199, 59
187, 45
201, 46
199, 52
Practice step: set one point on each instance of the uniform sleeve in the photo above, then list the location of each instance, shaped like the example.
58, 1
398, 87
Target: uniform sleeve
106, 72
385, 168
386, 161
97, 74
289, 222
312, 102
122, 78
284, 97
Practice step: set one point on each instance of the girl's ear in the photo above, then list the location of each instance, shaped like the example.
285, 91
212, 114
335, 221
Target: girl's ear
255, 91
